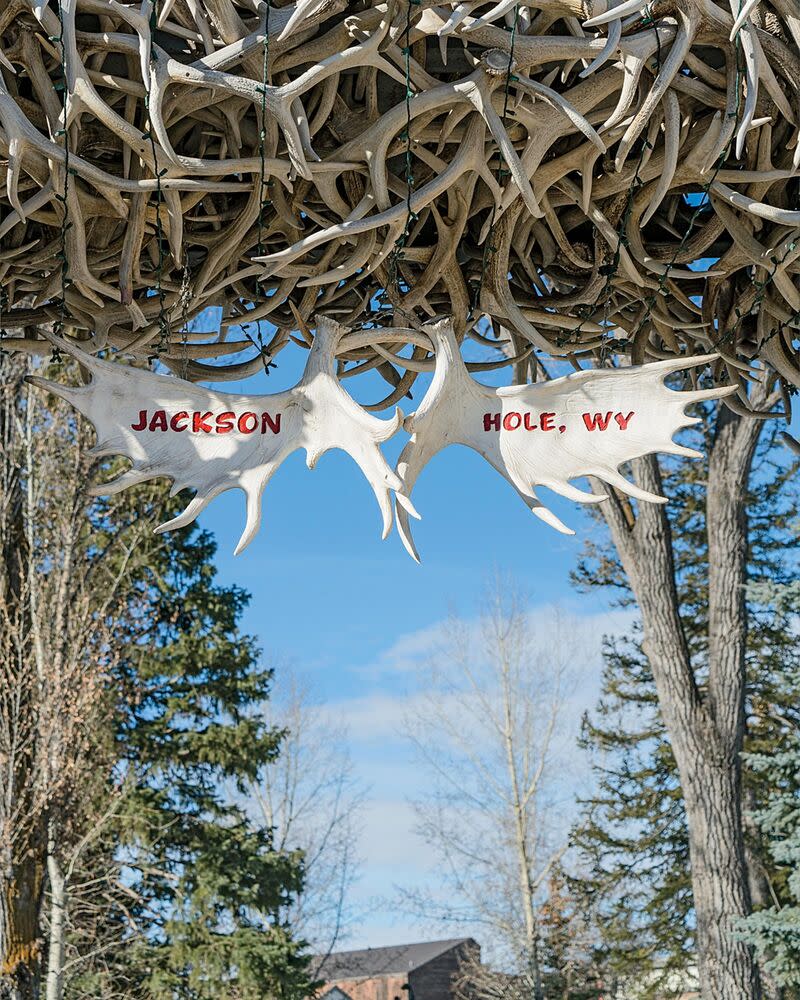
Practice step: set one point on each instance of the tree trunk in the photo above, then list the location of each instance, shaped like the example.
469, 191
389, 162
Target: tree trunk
21, 962
58, 924
21, 824
706, 728
719, 876
536, 970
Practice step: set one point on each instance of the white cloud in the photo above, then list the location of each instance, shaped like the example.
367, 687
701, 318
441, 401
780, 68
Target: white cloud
408, 652
391, 842
377, 715
374, 717
411, 650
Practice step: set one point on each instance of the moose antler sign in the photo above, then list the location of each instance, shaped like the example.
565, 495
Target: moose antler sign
213, 441
585, 424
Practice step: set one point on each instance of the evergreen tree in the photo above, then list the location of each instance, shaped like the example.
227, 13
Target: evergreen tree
632, 840
775, 930
130, 705
198, 888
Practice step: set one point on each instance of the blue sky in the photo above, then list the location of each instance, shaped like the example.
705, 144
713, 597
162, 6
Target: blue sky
356, 616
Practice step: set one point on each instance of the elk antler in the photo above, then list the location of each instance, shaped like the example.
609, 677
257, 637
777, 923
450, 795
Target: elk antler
515, 165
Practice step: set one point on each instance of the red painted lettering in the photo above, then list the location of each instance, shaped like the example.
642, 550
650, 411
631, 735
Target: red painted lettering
200, 422
596, 421
623, 421
244, 421
547, 421
158, 422
274, 423
225, 421
529, 424
491, 421
181, 415
511, 421
142, 421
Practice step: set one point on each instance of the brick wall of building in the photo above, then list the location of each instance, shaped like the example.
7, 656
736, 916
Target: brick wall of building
389, 987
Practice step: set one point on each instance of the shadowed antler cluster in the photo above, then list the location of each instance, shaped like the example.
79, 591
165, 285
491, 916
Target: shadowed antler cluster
559, 166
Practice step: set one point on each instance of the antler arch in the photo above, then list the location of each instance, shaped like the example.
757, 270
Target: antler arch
569, 161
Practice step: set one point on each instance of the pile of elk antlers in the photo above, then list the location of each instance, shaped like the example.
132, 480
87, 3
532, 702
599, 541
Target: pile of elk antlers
592, 175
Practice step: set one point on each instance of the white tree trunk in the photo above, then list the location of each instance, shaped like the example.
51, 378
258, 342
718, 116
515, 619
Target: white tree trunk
58, 926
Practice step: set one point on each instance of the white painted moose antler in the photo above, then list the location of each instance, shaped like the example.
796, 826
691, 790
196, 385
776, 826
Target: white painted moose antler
215, 441
585, 424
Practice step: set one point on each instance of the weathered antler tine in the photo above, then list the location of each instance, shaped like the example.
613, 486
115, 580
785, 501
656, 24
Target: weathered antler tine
465, 182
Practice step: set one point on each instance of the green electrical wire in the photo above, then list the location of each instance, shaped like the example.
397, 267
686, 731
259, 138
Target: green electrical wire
488, 247
398, 252
264, 185
163, 320
63, 198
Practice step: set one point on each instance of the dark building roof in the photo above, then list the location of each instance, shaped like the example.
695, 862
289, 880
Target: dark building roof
391, 960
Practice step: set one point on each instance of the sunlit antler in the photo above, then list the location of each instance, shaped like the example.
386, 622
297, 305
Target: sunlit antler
552, 165
547, 434
213, 441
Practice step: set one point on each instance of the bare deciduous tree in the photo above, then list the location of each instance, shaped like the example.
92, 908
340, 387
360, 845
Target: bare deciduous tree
61, 595
311, 798
49, 700
489, 733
